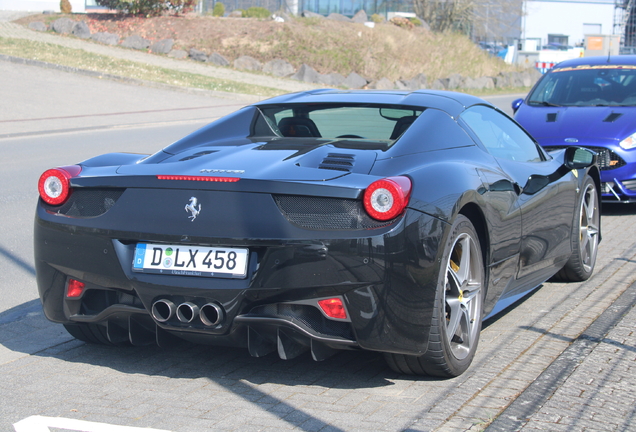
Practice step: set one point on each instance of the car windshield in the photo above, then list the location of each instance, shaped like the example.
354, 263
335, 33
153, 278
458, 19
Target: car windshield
596, 85
363, 122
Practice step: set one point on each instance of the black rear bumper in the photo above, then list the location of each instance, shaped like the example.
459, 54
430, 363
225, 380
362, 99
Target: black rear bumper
386, 278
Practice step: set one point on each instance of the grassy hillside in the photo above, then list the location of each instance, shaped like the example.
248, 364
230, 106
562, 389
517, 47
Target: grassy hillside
326, 45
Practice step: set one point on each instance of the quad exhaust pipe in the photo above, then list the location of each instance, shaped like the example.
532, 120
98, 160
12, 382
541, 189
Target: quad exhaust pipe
187, 312
210, 314
163, 310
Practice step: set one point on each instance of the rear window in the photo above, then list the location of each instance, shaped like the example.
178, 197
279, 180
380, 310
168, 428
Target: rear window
597, 85
330, 121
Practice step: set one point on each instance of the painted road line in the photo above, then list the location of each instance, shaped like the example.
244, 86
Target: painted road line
42, 424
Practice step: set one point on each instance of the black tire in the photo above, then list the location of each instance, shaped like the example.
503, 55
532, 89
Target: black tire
585, 237
89, 333
457, 313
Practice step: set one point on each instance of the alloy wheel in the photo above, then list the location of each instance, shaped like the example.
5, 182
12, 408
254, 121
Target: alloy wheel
463, 296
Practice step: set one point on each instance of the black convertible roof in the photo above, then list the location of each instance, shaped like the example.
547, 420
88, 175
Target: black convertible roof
451, 102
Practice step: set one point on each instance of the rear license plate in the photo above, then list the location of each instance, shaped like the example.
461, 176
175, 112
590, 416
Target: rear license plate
190, 260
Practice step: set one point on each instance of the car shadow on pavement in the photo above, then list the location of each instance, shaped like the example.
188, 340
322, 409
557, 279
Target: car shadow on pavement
231, 372
212, 372
618, 209
25, 331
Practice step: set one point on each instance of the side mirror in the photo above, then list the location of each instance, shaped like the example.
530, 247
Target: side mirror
579, 157
516, 104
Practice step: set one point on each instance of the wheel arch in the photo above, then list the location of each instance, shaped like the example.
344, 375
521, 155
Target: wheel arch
476, 216
596, 176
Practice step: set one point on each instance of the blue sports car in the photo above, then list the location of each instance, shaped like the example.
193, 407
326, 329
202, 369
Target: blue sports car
589, 102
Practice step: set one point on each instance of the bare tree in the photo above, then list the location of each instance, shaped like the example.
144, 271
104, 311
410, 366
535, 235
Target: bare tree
497, 20
482, 19
445, 15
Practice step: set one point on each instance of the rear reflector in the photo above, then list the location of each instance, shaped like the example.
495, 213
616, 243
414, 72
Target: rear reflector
199, 178
333, 308
75, 288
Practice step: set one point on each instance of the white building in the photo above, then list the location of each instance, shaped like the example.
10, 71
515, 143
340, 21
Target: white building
79, 6
566, 21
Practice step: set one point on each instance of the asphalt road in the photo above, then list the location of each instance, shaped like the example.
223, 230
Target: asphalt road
48, 379
50, 118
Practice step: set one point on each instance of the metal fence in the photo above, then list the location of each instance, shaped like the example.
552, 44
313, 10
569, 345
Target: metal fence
323, 7
232, 5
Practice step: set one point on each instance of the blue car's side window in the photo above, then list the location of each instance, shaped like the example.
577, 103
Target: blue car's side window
501, 136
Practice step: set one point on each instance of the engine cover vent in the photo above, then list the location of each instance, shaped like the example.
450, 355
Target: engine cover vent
196, 155
338, 162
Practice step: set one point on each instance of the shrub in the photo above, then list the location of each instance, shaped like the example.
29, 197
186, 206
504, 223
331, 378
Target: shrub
402, 22
149, 7
416, 21
257, 12
377, 18
219, 9
65, 7
180, 6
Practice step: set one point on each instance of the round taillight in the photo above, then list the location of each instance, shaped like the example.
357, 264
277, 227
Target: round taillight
387, 198
54, 185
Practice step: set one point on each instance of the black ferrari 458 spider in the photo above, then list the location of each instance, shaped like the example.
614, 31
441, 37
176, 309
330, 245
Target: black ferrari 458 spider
328, 220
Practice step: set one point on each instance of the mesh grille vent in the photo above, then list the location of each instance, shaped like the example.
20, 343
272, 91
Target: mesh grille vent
318, 213
552, 117
87, 202
630, 184
338, 161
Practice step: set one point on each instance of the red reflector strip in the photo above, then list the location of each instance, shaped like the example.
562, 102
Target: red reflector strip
74, 288
199, 178
333, 308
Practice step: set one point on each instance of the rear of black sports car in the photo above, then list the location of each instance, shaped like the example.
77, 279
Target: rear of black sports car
269, 269
260, 244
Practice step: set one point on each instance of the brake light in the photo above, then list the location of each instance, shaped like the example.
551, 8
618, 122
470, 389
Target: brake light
54, 185
333, 308
199, 178
387, 198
